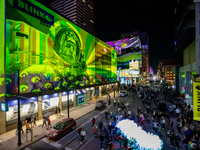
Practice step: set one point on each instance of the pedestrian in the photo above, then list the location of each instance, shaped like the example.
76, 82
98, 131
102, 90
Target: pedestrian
106, 114
168, 135
138, 109
172, 139
27, 127
125, 143
44, 122
93, 121
158, 129
179, 125
177, 112
118, 102
114, 102
110, 127
49, 123
171, 123
79, 132
56, 111
17, 131
109, 102
104, 126
111, 115
59, 111
83, 134
100, 125
177, 140
34, 121
95, 130
185, 142
101, 139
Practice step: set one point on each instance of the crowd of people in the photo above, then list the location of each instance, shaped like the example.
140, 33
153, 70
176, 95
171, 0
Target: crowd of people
159, 111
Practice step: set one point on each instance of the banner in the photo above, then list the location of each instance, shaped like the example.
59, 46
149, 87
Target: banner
196, 97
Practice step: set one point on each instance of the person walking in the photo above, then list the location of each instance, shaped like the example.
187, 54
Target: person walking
172, 139
34, 121
17, 131
83, 134
101, 139
95, 130
44, 122
93, 121
179, 125
59, 111
110, 127
79, 132
49, 123
27, 127
118, 102
106, 114
100, 125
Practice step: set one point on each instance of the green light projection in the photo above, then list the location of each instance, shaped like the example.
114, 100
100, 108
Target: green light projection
53, 56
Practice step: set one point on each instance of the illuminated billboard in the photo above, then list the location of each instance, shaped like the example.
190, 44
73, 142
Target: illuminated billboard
51, 52
125, 43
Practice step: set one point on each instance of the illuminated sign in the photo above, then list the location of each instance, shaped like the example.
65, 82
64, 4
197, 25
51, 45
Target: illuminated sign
196, 97
4, 106
33, 10
80, 99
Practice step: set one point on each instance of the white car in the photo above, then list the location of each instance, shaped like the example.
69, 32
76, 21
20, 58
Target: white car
123, 93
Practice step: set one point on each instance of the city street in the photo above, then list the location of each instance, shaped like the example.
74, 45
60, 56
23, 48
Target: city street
71, 142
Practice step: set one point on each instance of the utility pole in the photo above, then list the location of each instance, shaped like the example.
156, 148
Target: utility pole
19, 124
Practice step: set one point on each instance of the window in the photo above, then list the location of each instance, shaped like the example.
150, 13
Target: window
170, 71
67, 123
167, 71
173, 74
58, 126
167, 74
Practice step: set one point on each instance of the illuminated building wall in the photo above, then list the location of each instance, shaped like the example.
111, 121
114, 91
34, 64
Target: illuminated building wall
125, 43
51, 52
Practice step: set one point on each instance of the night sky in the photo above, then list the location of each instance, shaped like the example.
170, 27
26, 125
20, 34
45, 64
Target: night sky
113, 17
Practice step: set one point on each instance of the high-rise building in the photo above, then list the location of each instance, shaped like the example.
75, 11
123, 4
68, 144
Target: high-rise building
80, 12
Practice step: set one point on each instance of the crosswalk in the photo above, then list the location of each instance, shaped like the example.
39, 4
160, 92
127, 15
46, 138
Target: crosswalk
55, 144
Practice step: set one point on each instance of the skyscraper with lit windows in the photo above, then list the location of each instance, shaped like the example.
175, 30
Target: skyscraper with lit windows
80, 12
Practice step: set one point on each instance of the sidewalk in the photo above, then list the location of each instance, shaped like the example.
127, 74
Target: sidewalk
9, 139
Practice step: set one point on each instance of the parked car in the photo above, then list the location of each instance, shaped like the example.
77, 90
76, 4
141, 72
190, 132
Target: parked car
61, 128
123, 93
100, 105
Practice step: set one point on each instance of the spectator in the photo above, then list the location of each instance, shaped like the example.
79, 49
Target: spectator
101, 138
177, 140
179, 125
172, 139
185, 142
168, 135
177, 112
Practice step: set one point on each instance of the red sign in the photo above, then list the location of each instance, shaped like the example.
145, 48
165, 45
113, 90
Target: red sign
127, 79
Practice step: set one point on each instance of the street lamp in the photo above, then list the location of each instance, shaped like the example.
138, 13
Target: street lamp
19, 126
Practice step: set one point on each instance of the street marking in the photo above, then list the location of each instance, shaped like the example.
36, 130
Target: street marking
55, 144
66, 148
27, 148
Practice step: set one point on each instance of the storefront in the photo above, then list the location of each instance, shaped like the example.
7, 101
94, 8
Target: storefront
65, 98
27, 107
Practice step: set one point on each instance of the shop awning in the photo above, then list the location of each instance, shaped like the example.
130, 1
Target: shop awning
79, 92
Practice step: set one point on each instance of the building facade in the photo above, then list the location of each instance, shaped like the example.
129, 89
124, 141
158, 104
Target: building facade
45, 59
80, 12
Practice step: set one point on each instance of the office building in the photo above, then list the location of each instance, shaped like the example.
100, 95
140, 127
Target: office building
80, 12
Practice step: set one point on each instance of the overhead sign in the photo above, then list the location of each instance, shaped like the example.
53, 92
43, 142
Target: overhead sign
35, 11
4, 106
196, 97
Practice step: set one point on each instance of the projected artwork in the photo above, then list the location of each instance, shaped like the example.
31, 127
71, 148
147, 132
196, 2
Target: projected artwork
125, 43
52, 55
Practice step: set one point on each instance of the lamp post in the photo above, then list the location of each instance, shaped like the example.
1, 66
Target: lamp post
68, 103
19, 126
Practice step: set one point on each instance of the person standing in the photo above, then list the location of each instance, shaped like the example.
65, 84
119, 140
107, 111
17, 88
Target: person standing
93, 121
114, 102
49, 123
106, 114
172, 139
27, 127
101, 138
44, 122
83, 134
118, 102
177, 140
